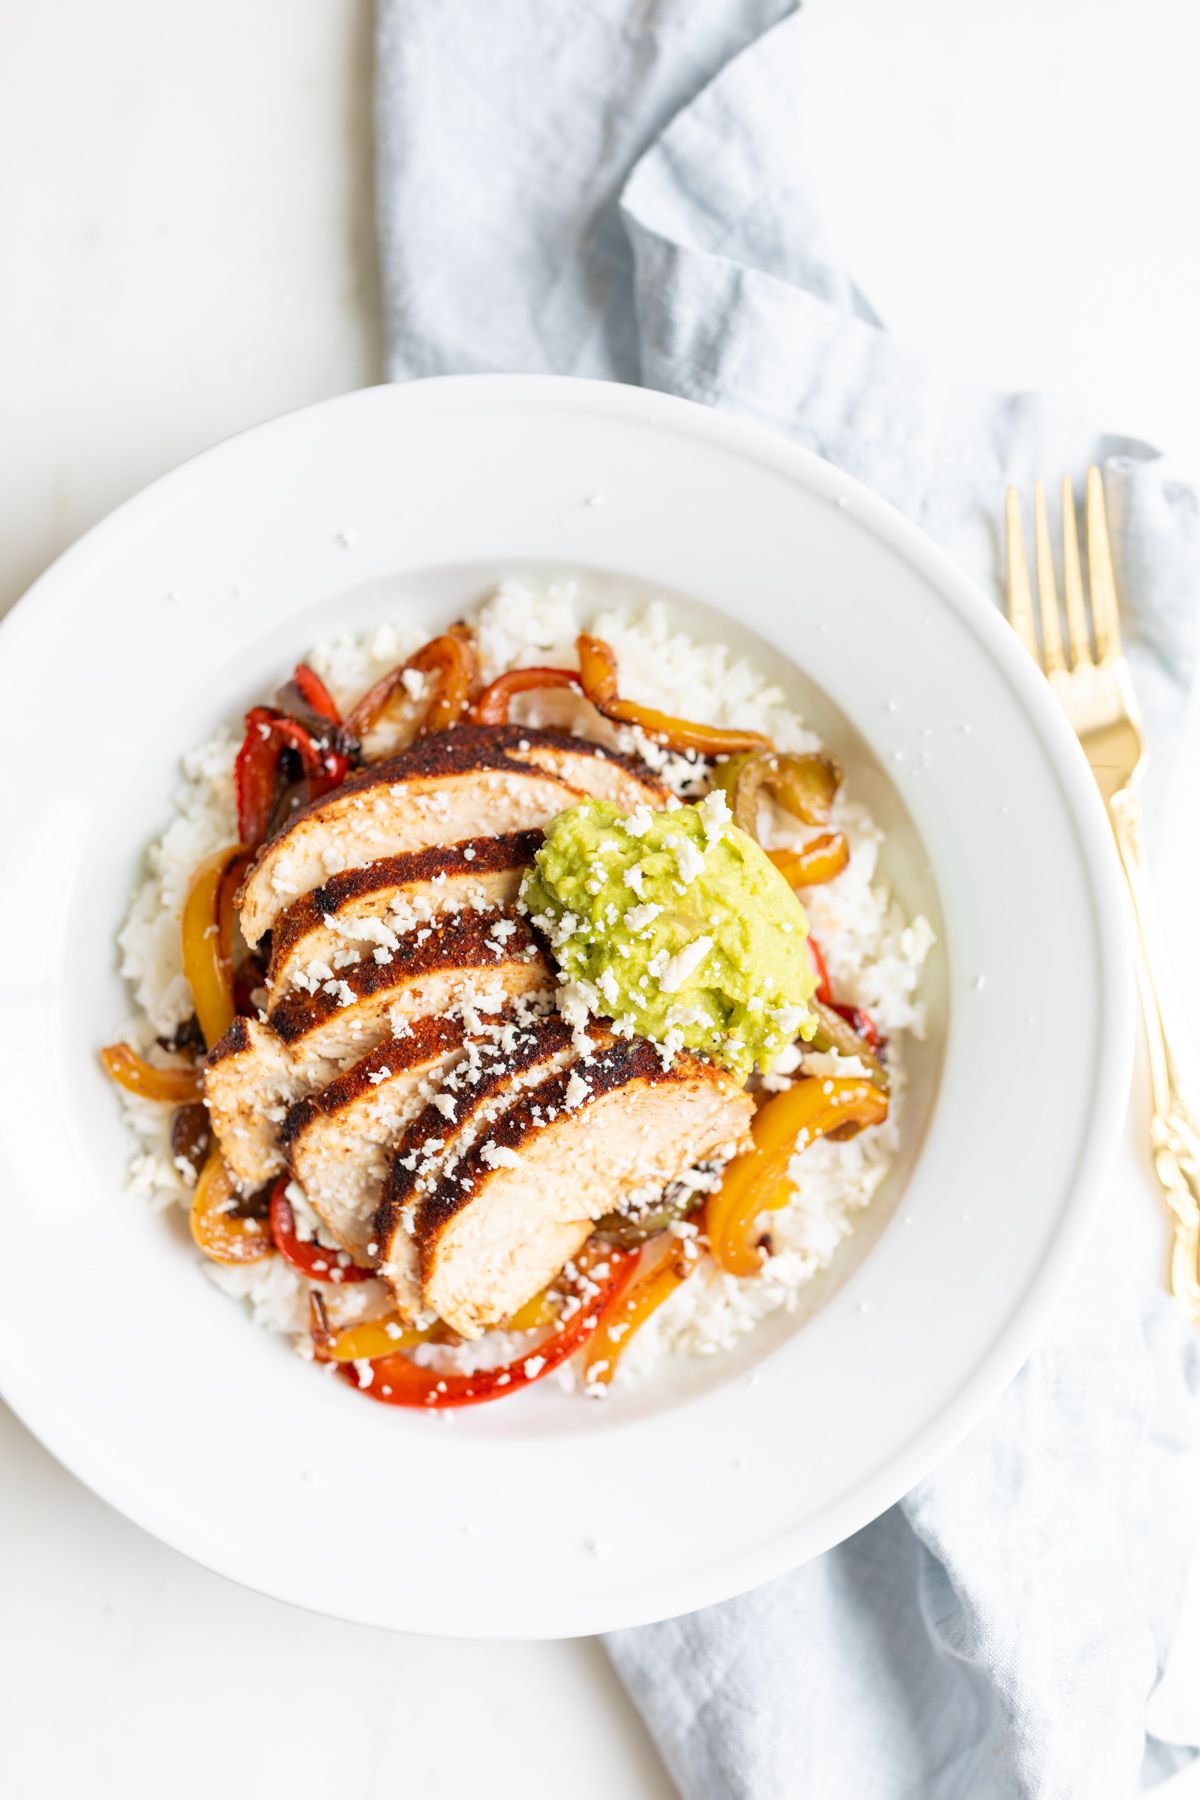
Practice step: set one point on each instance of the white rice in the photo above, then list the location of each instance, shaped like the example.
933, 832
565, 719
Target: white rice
873, 953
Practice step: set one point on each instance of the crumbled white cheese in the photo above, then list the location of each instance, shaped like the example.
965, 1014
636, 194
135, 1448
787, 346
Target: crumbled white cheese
683, 965
576, 1000
577, 1090
715, 814
498, 1156
689, 859
789, 1018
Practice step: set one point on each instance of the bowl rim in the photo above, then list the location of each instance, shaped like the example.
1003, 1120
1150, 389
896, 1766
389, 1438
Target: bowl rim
983, 1385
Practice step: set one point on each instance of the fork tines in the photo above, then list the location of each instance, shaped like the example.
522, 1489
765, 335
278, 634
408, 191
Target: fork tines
1105, 629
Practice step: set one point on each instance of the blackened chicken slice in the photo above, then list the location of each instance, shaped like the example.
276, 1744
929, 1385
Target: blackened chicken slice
474, 781
249, 1082
498, 1068
361, 910
525, 1196
337, 1141
477, 960
472, 962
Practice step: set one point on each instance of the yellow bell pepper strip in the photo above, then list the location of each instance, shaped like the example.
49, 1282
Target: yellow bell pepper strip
219, 1230
207, 943
492, 706
306, 1255
535, 1313
397, 1381
449, 660
368, 1340
820, 860
598, 674
757, 1181
803, 785
628, 1311
178, 1087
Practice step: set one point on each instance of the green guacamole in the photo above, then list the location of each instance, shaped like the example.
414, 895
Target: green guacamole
677, 926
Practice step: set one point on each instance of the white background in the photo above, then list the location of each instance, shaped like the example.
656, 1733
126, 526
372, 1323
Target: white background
187, 243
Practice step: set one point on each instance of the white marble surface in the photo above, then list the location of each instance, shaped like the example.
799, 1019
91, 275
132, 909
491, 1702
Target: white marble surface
185, 212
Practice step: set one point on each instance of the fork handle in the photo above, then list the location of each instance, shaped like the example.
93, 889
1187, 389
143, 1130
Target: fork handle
1174, 1129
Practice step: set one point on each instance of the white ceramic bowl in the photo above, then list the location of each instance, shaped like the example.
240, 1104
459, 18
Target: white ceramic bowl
185, 605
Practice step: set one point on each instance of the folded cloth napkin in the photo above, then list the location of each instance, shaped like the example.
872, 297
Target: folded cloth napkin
621, 188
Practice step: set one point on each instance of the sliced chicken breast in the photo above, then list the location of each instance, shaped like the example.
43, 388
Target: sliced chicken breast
477, 1090
474, 781
524, 1197
249, 1082
601, 774
473, 961
477, 959
337, 1141
361, 910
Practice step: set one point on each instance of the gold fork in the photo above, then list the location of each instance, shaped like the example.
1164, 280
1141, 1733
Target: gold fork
1091, 679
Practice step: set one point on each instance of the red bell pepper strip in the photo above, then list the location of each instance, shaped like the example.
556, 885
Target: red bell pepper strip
856, 1017
256, 772
306, 1256
397, 1381
254, 776
824, 992
492, 706
860, 1020
314, 691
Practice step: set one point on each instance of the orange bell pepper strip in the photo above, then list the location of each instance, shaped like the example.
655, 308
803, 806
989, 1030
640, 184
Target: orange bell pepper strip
803, 785
757, 1181
628, 1311
207, 932
492, 706
397, 1381
598, 674
227, 895
178, 1087
820, 860
306, 1255
449, 660
220, 1231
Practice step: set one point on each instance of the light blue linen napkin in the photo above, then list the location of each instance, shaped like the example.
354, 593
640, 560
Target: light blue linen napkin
621, 188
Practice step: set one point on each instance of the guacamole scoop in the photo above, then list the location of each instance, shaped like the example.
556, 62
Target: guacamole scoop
678, 927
